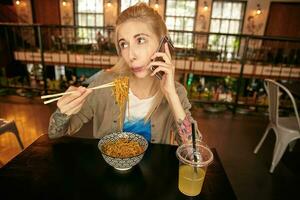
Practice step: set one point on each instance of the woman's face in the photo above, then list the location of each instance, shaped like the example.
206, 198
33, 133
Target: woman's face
137, 43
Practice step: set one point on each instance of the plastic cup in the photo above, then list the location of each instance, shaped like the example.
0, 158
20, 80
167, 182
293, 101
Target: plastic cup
192, 167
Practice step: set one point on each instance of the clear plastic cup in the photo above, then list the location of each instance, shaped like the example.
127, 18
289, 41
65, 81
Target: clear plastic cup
192, 167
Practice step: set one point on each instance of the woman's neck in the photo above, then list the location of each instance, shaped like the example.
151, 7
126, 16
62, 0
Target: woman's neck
143, 87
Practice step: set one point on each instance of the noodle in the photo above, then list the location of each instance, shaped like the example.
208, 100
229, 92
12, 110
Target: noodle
121, 95
122, 148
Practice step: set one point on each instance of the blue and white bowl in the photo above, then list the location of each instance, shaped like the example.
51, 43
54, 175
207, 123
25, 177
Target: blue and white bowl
123, 163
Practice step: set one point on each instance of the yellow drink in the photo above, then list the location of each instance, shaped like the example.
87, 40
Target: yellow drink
190, 182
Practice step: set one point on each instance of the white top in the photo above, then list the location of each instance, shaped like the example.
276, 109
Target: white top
135, 114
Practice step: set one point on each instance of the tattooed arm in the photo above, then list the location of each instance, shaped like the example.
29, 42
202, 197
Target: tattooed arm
58, 125
181, 110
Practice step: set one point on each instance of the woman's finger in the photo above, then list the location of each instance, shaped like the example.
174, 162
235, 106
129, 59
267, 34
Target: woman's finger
167, 50
159, 63
66, 107
161, 68
74, 103
74, 110
70, 97
77, 108
162, 55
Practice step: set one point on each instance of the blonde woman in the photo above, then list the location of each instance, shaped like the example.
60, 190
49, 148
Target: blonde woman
155, 108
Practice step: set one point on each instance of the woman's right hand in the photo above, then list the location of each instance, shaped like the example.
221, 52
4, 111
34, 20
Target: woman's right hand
71, 103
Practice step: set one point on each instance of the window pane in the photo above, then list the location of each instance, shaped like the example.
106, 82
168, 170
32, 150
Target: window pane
189, 24
190, 8
230, 42
82, 20
215, 25
222, 41
213, 41
99, 20
179, 23
90, 20
234, 26
171, 8
180, 8
217, 10
236, 11
170, 22
224, 26
188, 40
226, 10
90, 6
127, 3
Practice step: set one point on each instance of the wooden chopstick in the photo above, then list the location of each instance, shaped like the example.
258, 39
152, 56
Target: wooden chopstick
72, 92
51, 100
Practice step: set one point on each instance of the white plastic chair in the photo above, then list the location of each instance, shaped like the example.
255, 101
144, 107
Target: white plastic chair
287, 129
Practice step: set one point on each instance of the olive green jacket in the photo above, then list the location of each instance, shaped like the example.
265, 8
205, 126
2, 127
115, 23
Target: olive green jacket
102, 108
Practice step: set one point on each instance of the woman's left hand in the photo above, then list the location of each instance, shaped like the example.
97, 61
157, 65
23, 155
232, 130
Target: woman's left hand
167, 83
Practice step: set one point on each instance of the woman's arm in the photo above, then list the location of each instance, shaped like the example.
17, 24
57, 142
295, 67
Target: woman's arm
67, 117
177, 100
70, 116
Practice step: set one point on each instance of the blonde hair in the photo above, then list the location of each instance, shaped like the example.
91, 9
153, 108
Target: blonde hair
143, 13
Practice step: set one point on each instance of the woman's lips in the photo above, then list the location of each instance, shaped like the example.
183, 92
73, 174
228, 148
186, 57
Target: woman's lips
137, 69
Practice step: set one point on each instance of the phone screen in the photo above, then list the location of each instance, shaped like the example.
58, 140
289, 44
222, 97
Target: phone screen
161, 48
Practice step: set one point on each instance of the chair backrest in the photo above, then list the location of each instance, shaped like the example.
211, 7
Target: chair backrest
273, 91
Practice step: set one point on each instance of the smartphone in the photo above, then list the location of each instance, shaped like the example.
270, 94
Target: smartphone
161, 48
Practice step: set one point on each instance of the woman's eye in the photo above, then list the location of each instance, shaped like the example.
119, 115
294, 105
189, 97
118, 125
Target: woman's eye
123, 45
141, 40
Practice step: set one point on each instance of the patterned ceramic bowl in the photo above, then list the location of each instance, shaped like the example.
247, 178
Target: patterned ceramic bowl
122, 163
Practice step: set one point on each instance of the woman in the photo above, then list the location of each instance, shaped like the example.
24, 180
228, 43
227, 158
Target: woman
155, 107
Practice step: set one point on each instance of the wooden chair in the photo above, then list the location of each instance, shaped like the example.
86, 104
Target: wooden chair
10, 126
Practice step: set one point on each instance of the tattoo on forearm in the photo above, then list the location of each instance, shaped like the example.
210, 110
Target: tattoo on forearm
58, 124
185, 129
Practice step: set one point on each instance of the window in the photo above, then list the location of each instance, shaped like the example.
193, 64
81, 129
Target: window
180, 15
88, 13
227, 17
126, 3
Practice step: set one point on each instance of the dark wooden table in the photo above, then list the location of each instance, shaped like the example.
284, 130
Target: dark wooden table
73, 168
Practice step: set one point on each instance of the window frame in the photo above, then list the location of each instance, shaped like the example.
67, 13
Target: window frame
194, 25
76, 17
244, 4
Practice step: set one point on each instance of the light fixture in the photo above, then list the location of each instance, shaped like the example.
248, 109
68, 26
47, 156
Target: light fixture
18, 2
109, 3
258, 9
64, 2
205, 6
156, 5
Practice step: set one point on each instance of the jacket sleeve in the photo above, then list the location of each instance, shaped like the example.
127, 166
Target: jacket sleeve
60, 124
182, 128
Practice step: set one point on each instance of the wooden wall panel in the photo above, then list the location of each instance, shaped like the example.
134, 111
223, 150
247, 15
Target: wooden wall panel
46, 11
8, 13
283, 20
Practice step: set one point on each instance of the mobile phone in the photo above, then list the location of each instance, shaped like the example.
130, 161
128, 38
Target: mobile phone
161, 48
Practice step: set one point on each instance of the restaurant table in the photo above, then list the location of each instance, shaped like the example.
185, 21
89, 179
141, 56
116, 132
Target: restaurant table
73, 168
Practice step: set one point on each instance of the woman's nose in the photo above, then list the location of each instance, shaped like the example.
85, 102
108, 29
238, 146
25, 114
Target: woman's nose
132, 53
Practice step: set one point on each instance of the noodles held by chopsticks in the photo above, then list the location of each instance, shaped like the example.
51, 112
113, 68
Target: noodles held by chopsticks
121, 95
122, 148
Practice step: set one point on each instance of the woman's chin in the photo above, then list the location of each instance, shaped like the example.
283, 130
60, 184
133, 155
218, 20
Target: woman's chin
141, 74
